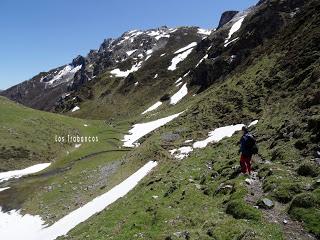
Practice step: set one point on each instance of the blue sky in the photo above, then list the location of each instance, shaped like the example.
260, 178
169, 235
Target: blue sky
37, 35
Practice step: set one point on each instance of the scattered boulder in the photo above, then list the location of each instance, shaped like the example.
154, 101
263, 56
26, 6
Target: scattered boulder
265, 203
170, 137
224, 188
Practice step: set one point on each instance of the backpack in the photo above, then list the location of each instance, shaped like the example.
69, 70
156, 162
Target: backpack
250, 144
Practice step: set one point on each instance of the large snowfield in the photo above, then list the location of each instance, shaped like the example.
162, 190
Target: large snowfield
14, 225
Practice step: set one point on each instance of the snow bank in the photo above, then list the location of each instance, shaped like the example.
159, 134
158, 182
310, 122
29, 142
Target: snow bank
179, 58
233, 40
215, 136
5, 176
253, 123
201, 60
65, 75
129, 36
157, 34
178, 84
129, 53
191, 45
153, 107
142, 129
3, 189
16, 226
118, 73
179, 95
181, 153
235, 27
204, 31
13, 225
218, 134
76, 108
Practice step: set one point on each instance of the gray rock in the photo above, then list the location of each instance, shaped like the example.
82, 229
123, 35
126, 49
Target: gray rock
224, 188
170, 137
266, 203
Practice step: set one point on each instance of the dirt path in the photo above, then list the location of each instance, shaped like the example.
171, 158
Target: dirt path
292, 230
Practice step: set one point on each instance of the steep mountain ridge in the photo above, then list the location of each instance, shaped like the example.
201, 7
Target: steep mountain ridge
132, 48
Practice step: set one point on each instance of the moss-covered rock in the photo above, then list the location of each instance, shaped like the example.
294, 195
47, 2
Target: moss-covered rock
241, 210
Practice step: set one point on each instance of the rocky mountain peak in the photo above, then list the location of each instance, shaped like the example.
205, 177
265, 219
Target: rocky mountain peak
226, 17
79, 60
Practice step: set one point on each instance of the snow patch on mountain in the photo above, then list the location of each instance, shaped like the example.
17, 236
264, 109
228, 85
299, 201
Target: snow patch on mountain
181, 153
3, 189
232, 41
204, 31
214, 136
76, 108
191, 45
153, 107
118, 73
142, 129
129, 53
218, 134
253, 123
5, 176
179, 58
202, 59
235, 27
179, 95
65, 75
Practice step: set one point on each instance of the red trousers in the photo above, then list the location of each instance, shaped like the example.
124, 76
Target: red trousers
245, 163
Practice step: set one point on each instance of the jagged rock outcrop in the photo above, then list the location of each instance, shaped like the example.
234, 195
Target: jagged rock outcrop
226, 17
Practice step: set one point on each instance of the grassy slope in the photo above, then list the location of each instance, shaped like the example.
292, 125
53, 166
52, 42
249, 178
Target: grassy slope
28, 136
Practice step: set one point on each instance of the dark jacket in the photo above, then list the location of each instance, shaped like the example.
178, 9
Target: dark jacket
244, 149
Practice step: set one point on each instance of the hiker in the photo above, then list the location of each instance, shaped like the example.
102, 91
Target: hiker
248, 147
